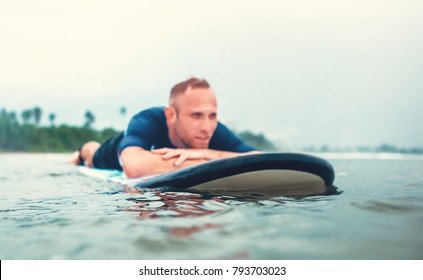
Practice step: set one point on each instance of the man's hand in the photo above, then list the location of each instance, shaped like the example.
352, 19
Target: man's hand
182, 155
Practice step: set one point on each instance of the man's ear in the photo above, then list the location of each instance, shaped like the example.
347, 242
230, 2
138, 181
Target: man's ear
170, 113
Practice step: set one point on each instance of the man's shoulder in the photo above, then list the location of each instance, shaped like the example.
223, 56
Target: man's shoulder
151, 118
227, 140
159, 110
145, 128
222, 128
222, 133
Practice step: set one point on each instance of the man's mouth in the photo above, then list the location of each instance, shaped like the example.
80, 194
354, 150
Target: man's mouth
202, 138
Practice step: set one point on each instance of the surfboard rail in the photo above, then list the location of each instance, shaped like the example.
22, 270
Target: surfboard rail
314, 171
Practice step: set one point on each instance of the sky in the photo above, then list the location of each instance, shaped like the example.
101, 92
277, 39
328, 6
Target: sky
303, 73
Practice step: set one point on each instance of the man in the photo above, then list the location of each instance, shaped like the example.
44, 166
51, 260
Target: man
157, 140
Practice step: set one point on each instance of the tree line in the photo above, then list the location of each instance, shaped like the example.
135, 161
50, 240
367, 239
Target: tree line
383, 148
25, 133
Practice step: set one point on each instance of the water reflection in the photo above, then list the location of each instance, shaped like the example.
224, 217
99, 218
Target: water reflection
167, 209
155, 204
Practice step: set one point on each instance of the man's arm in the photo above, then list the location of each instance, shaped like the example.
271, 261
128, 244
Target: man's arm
181, 155
138, 162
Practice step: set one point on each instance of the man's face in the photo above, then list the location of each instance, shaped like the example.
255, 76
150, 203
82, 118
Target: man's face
195, 119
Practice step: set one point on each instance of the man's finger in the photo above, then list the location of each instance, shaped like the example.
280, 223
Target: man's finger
171, 154
181, 159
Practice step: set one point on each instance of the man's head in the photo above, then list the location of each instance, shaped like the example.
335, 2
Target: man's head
192, 114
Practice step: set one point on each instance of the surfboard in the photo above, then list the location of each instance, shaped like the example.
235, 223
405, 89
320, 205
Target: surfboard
262, 175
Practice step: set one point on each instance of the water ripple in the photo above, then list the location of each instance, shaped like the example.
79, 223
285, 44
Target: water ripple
386, 207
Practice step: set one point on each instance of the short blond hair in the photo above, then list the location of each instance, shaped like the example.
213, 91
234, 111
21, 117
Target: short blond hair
183, 86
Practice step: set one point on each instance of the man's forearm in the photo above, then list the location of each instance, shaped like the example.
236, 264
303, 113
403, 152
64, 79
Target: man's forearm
137, 162
181, 155
216, 154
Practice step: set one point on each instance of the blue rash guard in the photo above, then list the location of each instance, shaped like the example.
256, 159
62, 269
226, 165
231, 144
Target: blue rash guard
148, 130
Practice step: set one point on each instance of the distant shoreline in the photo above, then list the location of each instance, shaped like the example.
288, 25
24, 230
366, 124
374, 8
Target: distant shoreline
33, 153
327, 155
368, 155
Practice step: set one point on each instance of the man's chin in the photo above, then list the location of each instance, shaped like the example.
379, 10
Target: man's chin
201, 145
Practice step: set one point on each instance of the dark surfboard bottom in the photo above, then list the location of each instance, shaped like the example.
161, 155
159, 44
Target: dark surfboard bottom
264, 174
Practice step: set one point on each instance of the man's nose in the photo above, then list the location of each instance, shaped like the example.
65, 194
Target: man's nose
207, 125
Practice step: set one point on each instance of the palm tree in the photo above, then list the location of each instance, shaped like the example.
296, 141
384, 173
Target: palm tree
52, 118
37, 112
26, 116
123, 111
12, 117
89, 119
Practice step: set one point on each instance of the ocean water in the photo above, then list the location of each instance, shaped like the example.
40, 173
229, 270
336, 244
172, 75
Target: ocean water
51, 211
